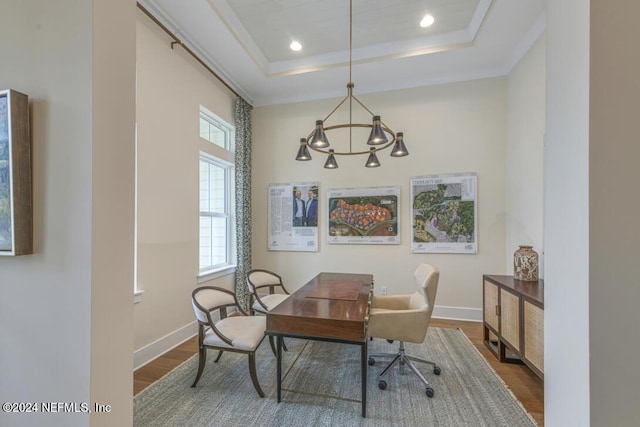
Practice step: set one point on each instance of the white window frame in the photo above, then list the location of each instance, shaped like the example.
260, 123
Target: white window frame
222, 157
227, 129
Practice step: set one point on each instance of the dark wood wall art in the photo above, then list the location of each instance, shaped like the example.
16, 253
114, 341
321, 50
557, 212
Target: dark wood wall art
16, 213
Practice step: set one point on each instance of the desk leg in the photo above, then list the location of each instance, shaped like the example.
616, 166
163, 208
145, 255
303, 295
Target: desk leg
363, 356
279, 365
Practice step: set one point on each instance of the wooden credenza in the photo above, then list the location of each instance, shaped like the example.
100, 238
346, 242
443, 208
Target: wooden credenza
514, 320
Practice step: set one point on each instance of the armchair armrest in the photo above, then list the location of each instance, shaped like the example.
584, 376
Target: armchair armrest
391, 302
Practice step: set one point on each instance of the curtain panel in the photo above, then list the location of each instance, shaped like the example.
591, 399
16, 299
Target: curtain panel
242, 115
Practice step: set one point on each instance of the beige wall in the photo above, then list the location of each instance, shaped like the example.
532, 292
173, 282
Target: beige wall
614, 229
448, 128
525, 146
171, 86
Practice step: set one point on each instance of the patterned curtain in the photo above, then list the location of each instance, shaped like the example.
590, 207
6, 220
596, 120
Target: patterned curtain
243, 198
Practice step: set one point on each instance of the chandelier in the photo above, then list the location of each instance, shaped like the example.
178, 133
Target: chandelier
380, 138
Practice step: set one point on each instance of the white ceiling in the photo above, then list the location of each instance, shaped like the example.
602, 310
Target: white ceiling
247, 42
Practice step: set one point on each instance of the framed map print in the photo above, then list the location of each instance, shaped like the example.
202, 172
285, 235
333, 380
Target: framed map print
444, 214
363, 216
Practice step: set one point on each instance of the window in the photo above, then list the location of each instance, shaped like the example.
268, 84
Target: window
214, 130
216, 194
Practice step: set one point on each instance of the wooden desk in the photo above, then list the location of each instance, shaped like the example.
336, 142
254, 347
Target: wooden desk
330, 307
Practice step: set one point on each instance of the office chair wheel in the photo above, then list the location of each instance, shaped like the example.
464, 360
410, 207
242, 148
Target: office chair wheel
430, 392
371, 361
383, 384
436, 370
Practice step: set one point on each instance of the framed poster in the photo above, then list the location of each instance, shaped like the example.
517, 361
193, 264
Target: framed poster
16, 236
444, 214
293, 217
363, 216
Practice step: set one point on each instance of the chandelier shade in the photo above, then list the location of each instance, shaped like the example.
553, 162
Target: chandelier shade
318, 137
331, 162
380, 138
377, 135
372, 161
303, 151
399, 149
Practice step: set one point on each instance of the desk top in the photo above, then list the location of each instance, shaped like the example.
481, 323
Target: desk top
329, 306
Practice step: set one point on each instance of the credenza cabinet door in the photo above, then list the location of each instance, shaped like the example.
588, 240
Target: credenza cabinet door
491, 306
534, 335
510, 318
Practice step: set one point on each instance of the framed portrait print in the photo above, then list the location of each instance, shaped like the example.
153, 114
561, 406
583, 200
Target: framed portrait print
16, 235
293, 217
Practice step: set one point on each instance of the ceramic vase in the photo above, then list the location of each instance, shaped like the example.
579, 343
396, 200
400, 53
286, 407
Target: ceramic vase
525, 264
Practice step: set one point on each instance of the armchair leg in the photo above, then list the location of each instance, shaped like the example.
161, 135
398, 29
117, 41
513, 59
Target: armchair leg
219, 356
272, 345
252, 372
202, 358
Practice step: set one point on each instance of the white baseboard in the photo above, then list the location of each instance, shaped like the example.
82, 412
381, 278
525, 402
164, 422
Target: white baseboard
457, 313
157, 348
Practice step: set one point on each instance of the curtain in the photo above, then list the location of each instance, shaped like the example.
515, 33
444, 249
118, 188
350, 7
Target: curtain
242, 115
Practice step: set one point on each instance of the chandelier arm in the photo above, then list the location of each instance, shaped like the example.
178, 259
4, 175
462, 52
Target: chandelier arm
337, 106
352, 153
364, 106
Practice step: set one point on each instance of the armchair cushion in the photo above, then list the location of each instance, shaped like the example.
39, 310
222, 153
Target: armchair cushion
270, 301
245, 332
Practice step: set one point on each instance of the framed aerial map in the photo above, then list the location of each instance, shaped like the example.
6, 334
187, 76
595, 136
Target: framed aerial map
363, 216
444, 214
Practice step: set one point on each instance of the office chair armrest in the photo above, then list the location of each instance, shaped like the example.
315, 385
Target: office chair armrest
402, 325
391, 302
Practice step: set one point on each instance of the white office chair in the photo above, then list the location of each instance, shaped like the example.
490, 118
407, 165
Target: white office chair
405, 318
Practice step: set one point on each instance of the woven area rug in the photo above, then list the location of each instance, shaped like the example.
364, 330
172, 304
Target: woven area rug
321, 387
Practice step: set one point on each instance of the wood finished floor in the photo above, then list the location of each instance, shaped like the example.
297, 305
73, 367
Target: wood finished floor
524, 384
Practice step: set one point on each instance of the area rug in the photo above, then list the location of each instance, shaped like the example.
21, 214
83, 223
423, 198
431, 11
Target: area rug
321, 387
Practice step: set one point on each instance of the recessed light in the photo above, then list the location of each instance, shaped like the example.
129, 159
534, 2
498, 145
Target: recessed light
295, 46
427, 21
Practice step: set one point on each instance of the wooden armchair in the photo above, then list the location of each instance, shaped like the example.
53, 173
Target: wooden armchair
257, 281
237, 333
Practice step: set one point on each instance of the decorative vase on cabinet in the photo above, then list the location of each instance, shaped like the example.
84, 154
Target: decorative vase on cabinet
525, 264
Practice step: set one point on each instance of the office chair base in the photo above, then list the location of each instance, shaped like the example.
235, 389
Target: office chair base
403, 360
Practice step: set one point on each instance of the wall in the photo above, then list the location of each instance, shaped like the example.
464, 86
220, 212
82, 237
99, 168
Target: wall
525, 136
171, 86
448, 128
566, 218
614, 230
65, 311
